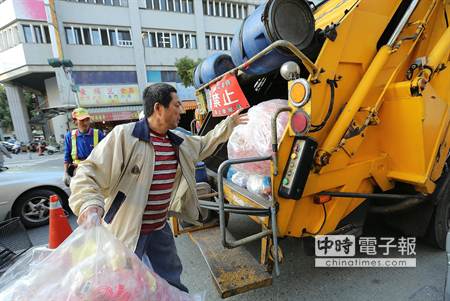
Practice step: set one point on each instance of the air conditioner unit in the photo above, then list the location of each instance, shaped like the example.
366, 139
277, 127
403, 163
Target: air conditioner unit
125, 43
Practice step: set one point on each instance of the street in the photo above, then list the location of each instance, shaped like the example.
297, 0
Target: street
299, 279
32, 159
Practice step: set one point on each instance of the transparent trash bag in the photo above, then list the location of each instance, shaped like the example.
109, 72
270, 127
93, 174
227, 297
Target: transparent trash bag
259, 185
254, 139
91, 265
240, 178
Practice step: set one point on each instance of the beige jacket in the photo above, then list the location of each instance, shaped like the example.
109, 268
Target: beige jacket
118, 173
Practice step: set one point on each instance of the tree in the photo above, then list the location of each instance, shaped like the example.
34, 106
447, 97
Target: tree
5, 115
185, 69
31, 103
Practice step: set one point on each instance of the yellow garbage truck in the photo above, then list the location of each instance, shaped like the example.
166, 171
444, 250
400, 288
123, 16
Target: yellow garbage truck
367, 83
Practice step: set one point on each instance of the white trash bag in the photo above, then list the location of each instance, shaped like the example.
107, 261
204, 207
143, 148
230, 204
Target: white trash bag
254, 139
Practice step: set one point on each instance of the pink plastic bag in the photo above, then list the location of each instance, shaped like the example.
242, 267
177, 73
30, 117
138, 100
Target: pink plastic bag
91, 265
254, 138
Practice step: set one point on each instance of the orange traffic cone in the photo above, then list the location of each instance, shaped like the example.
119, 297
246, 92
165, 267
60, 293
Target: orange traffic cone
59, 228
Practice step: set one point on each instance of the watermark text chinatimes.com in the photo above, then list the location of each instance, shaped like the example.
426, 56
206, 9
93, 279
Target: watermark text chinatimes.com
365, 262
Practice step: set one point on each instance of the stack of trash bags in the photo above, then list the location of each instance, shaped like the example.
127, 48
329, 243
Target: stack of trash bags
91, 264
254, 139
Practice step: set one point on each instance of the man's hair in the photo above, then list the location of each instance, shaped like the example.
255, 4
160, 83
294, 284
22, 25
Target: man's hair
154, 93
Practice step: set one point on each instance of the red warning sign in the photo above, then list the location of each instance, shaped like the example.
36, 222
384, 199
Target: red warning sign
226, 96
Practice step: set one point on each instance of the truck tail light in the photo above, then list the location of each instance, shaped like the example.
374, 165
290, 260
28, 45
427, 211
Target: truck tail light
299, 92
300, 122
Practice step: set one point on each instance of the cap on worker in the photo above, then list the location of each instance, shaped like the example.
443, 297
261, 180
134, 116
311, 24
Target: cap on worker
80, 114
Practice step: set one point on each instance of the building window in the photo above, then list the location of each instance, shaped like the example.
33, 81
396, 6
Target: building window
218, 8
70, 38
33, 33
38, 34
73, 35
3, 45
170, 39
104, 35
96, 37
163, 39
124, 38
78, 36
205, 8
213, 42
181, 41
47, 34
193, 39
173, 40
210, 8
88, 35
152, 39
183, 6
218, 42
27, 33
112, 37
124, 35
103, 2
170, 76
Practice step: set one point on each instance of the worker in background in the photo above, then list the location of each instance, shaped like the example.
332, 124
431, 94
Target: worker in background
79, 143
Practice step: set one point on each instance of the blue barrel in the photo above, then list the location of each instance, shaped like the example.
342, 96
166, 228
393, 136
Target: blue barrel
213, 66
290, 20
200, 172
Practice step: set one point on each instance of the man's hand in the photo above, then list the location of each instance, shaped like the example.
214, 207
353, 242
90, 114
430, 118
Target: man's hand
66, 179
90, 216
238, 118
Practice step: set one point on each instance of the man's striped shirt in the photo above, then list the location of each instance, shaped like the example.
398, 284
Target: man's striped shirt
166, 164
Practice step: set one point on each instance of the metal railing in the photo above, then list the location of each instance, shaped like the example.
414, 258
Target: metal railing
271, 211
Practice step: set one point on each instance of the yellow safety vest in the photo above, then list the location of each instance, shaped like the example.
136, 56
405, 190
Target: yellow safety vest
74, 145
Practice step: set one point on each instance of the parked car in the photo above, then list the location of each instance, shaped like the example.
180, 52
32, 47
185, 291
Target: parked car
9, 146
25, 193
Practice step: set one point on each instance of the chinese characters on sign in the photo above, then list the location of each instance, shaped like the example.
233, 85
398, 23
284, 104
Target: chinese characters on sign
335, 250
226, 96
109, 95
344, 245
335, 245
114, 116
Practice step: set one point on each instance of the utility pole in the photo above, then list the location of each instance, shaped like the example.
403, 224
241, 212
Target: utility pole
63, 75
